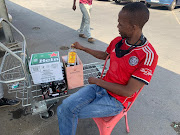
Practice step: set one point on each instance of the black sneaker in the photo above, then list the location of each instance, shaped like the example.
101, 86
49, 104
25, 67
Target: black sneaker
8, 102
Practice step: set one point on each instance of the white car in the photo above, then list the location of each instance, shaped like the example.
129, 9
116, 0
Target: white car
10, 19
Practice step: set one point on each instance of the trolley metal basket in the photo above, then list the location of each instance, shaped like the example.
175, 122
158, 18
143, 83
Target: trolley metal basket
14, 72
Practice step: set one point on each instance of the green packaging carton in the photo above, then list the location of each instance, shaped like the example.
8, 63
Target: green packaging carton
45, 67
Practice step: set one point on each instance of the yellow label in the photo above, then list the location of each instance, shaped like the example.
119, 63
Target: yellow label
71, 57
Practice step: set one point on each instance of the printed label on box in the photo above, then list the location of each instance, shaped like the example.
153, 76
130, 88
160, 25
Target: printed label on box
74, 74
45, 67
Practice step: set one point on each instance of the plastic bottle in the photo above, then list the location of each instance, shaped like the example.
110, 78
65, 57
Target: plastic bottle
72, 56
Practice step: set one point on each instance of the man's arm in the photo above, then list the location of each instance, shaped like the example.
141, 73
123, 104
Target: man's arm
98, 54
74, 5
132, 86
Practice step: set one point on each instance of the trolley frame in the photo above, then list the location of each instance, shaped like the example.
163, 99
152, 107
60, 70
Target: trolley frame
14, 71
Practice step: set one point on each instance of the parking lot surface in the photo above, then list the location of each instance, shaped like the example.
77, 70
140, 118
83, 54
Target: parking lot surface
49, 25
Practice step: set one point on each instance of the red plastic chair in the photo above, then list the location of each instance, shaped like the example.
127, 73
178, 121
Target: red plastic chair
107, 124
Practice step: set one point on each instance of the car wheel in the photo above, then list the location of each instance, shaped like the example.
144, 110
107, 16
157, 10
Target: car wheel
172, 6
148, 5
118, 1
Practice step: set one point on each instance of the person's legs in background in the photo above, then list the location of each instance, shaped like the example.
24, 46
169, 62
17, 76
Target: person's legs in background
90, 101
85, 23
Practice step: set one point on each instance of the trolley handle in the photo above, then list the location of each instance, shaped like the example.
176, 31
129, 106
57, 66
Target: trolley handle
22, 60
16, 56
23, 37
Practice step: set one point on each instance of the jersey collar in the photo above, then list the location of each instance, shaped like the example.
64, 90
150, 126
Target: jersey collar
136, 46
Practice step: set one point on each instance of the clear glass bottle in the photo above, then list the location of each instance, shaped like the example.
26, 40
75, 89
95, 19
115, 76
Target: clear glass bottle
72, 56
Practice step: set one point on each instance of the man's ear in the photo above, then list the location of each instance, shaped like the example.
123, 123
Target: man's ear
135, 27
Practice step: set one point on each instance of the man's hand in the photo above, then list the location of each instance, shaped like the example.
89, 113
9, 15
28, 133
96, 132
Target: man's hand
98, 54
74, 7
93, 80
77, 46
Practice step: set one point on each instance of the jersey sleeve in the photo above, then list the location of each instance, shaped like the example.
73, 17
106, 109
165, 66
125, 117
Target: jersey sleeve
146, 68
112, 44
109, 48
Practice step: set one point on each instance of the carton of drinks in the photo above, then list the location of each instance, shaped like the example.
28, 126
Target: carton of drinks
74, 73
45, 67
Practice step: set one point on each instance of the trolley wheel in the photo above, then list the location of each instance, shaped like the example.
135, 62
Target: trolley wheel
49, 114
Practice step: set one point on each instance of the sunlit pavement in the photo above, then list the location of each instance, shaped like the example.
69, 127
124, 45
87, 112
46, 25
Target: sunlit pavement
49, 25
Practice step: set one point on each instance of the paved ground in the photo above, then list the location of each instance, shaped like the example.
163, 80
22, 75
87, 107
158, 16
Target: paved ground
49, 25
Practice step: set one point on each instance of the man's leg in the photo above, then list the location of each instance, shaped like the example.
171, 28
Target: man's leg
85, 24
83, 21
103, 106
68, 110
90, 101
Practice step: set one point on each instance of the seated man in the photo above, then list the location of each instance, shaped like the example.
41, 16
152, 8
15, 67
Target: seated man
132, 64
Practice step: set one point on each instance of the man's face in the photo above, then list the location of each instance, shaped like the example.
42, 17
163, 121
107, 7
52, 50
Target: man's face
124, 27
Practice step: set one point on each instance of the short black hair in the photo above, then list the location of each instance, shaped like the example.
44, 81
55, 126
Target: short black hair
137, 12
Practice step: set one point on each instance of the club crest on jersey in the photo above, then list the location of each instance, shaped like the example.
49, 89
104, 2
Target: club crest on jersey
133, 60
146, 71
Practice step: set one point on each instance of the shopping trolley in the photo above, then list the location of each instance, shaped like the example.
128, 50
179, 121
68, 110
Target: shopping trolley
14, 71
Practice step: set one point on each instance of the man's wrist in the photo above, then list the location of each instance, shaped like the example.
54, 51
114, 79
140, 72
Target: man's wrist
83, 48
98, 82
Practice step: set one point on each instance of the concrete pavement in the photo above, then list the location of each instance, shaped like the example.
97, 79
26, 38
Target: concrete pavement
48, 25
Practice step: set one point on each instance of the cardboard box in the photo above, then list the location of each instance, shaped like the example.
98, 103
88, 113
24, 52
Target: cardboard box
74, 74
45, 67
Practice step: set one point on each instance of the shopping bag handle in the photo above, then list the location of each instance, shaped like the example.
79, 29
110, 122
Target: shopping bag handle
104, 65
